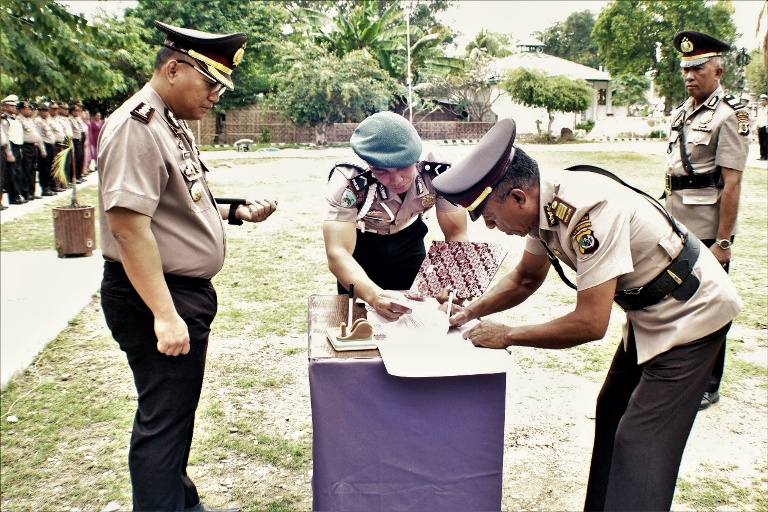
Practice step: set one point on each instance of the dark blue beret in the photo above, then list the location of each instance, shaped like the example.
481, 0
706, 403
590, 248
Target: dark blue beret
469, 182
386, 140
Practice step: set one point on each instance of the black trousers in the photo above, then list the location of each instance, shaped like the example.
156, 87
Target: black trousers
719, 368
391, 261
643, 418
15, 173
44, 164
78, 155
762, 137
168, 387
29, 166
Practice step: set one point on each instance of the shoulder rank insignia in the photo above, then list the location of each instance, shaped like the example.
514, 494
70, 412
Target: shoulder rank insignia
584, 236
143, 112
558, 210
435, 168
731, 100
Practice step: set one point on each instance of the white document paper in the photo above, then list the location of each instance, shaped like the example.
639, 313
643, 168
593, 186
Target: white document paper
417, 345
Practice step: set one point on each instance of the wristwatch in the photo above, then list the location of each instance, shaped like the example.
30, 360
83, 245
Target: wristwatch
723, 244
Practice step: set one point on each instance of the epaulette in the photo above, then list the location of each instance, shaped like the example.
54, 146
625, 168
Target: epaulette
360, 181
143, 112
731, 100
435, 168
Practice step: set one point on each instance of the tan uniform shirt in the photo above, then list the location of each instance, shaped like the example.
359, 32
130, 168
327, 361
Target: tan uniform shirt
57, 128
147, 168
712, 139
613, 232
31, 135
45, 129
376, 208
65, 124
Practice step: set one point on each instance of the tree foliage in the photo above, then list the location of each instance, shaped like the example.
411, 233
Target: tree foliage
552, 93
46, 52
572, 39
635, 36
757, 73
468, 93
629, 89
492, 43
317, 89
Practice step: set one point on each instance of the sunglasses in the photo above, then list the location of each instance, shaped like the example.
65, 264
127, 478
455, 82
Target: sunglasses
217, 87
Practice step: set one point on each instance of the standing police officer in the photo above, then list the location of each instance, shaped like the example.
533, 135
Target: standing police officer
32, 148
374, 232
625, 248
163, 240
708, 146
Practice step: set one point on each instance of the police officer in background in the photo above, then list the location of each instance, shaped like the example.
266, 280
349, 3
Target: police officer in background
626, 248
374, 232
32, 148
163, 239
708, 146
762, 126
45, 161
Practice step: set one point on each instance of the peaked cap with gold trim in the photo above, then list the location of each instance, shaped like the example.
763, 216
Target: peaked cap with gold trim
697, 48
469, 182
218, 54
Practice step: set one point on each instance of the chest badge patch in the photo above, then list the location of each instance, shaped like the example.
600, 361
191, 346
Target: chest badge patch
196, 191
585, 237
348, 198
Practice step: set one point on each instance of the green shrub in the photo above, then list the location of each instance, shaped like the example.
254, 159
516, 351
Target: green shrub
658, 134
587, 125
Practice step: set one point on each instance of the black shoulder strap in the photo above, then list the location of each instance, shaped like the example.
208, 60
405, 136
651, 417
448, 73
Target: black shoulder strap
435, 168
591, 168
359, 182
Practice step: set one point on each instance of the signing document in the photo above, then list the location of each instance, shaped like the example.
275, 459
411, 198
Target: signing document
420, 344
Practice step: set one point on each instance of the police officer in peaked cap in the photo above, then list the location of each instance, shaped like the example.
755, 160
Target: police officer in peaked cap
623, 247
163, 239
708, 149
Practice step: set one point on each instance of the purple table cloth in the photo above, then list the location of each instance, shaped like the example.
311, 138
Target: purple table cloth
384, 443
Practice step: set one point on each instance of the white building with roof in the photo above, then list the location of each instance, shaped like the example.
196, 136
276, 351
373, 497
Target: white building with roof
531, 56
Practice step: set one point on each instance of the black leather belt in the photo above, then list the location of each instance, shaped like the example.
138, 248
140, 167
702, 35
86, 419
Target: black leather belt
173, 279
677, 280
692, 181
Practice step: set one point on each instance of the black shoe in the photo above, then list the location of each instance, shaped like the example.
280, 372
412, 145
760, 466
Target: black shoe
49, 192
710, 398
3, 207
79, 180
18, 200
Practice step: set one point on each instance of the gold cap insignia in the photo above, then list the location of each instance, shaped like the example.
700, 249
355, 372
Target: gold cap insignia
238, 57
686, 45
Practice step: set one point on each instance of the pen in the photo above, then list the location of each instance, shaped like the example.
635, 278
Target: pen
450, 303
351, 304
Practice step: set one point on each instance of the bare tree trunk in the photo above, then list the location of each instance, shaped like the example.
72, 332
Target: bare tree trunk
551, 120
320, 130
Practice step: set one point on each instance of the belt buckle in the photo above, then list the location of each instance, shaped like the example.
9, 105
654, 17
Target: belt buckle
668, 182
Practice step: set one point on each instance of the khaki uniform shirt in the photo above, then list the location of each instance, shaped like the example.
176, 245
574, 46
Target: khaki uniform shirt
377, 209
613, 232
30, 133
148, 166
712, 140
79, 130
65, 124
45, 129
3, 132
59, 133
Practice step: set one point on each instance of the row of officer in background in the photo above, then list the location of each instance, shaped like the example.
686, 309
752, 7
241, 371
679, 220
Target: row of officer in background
31, 135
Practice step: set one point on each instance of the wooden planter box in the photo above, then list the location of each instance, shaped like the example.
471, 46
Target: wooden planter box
74, 229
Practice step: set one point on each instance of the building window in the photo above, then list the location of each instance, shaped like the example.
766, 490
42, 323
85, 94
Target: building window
601, 96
